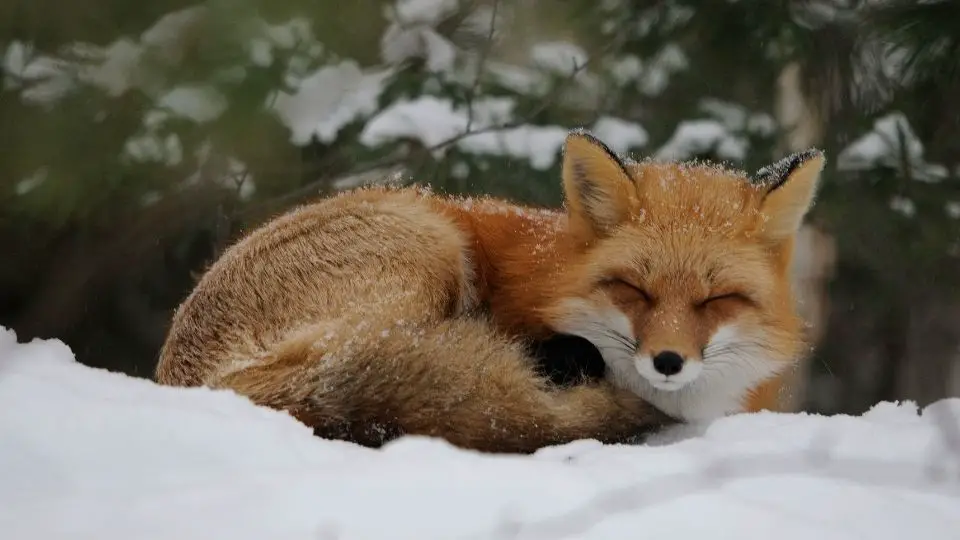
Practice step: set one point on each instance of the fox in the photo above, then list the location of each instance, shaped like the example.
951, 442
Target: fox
380, 312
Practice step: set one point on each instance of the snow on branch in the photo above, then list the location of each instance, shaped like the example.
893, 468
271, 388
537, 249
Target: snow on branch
891, 143
438, 125
412, 33
329, 99
724, 133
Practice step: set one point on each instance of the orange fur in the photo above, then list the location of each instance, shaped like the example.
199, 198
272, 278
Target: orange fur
768, 396
381, 312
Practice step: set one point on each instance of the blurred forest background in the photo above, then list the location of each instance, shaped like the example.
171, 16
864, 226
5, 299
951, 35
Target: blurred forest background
139, 139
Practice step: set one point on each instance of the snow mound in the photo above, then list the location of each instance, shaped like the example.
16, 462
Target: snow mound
90, 454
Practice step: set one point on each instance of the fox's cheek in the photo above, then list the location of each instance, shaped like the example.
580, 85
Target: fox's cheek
723, 340
722, 315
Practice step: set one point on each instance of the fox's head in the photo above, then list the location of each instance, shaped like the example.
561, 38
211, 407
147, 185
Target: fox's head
683, 276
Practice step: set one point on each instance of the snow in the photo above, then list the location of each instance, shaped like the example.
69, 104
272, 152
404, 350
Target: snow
479, 21
200, 103
429, 119
539, 145
650, 76
520, 79
412, 33
723, 133
666, 18
223, 170
91, 454
738, 118
294, 34
558, 57
41, 78
286, 35
625, 69
438, 124
952, 209
114, 68
329, 99
123, 64
400, 43
154, 143
33, 181
429, 12
903, 205
547, 65
115, 74
433, 121
166, 33
668, 61
151, 147
622, 135
694, 137
882, 146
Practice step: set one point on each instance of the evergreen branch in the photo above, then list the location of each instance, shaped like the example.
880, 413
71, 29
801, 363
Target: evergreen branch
481, 62
925, 33
394, 160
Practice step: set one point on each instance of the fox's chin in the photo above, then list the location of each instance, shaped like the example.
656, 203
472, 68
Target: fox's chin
667, 385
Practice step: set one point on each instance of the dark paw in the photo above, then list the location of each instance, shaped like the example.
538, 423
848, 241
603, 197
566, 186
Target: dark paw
568, 360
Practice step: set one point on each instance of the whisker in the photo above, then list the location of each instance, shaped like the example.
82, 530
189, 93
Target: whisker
739, 347
614, 335
613, 348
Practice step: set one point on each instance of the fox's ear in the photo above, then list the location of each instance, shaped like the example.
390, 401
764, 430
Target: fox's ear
599, 191
791, 185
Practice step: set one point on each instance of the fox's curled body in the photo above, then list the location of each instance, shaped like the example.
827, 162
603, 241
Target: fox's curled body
382, 312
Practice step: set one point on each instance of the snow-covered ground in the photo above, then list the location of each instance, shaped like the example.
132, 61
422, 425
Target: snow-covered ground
85, 453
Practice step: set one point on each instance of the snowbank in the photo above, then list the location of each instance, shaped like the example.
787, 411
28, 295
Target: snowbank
89, 454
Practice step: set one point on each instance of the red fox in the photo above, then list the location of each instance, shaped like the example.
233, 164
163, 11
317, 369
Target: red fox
381, 312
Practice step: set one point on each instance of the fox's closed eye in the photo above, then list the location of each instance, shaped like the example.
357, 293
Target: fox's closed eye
723, 297
627, 289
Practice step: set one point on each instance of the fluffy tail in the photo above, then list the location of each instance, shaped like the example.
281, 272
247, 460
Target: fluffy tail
458, 380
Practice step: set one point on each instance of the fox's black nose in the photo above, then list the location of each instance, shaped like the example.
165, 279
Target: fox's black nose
668, 363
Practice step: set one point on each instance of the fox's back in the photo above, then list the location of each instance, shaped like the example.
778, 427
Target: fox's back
316, 263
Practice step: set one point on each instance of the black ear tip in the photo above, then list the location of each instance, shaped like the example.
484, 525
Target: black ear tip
777, 173
585, 135
803, 156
